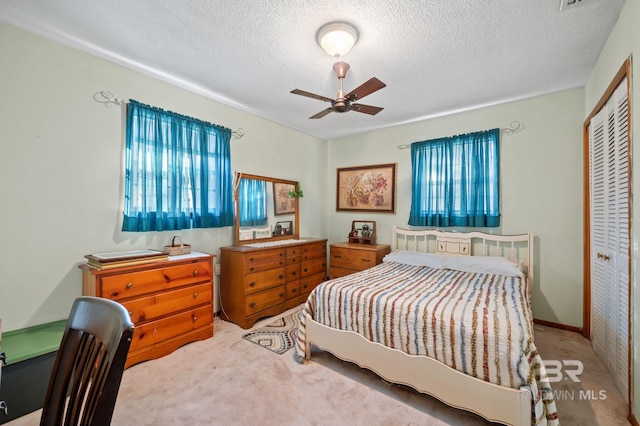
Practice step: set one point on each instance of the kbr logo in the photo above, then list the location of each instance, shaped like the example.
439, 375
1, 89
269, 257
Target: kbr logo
557, 370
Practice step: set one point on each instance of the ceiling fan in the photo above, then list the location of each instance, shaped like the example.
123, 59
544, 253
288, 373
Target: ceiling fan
344, 103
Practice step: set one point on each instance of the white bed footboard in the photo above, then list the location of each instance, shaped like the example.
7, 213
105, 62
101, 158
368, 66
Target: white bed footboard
426, 375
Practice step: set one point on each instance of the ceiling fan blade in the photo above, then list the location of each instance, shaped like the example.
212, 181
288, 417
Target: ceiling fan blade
311, 95
322, 113
367, 109
366, 88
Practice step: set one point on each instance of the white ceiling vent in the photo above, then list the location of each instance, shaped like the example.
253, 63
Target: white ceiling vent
565, 4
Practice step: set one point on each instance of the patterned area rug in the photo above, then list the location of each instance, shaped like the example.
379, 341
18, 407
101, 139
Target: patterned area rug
279, 336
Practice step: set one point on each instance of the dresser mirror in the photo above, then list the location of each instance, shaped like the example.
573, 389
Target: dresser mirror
264, 209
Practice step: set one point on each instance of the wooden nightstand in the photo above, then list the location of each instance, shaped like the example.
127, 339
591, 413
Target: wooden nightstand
346, 258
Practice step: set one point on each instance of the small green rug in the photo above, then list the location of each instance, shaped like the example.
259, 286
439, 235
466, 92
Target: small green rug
279, 336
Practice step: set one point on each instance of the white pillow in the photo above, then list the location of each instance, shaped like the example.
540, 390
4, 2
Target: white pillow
431, 260
484, 264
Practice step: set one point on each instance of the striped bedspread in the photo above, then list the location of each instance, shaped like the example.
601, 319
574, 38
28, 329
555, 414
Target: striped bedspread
479, 324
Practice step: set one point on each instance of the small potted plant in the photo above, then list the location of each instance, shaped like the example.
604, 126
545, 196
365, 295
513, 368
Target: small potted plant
297, 192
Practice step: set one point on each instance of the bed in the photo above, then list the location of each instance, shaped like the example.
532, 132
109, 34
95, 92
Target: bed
447, 314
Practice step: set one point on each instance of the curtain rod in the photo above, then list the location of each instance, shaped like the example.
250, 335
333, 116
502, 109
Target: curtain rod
514, 127
107, 98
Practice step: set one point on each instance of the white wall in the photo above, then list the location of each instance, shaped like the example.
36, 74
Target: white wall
541, 186
60, 170
624, 41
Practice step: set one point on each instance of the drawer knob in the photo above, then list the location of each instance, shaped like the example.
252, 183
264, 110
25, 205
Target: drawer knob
304, 285
252, 284
305, 269
194, 318
129, 285
294, 273
195, 295
366, 260
281, 295
336, 256
195, 273
293, 290
281, 276
252, 305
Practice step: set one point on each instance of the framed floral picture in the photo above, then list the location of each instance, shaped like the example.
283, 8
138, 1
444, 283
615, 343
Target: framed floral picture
282, 203
367, 189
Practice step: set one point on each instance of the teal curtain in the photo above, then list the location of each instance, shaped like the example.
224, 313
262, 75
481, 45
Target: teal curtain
455, 181
177, 172
252, 196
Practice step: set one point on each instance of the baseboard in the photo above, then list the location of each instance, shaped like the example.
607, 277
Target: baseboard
558, 325
633, 420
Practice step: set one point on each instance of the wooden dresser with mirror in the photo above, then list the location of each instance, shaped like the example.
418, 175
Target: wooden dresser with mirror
271, 268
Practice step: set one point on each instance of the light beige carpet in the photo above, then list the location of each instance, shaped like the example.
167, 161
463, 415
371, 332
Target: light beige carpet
227, 380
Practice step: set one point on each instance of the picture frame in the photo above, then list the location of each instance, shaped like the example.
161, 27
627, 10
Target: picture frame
282, 203
366, 188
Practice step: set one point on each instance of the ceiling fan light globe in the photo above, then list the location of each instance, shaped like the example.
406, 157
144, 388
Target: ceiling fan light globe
337, 38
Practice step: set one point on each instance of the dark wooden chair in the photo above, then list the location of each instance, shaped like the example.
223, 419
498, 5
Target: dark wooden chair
88, 368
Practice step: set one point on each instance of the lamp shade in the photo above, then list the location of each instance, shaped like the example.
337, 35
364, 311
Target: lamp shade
337, 38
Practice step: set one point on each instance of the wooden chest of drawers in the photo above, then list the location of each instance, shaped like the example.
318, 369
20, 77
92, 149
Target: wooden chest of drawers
346, 258
257, 282
170, 302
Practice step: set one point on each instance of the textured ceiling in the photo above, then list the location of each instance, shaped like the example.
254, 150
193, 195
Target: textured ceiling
436, 57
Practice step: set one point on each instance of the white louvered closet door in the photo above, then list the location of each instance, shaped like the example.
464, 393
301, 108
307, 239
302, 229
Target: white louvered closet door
609, 196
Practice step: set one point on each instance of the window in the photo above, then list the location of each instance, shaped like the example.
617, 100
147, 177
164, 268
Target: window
455, 181
252, 196
177, 172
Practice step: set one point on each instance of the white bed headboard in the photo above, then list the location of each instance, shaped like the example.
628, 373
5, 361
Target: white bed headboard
467, 244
